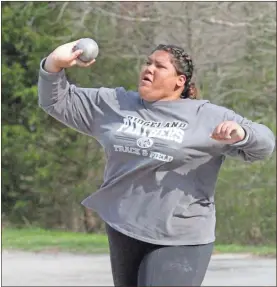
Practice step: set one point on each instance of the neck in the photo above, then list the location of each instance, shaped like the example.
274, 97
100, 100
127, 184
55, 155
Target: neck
172, 97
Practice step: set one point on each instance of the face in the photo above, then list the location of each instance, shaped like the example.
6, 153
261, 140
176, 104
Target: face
159, 79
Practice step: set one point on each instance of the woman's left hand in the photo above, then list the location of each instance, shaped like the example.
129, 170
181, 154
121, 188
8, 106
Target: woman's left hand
228, 132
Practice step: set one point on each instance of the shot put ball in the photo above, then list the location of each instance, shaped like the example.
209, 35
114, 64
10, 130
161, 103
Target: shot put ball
90, 49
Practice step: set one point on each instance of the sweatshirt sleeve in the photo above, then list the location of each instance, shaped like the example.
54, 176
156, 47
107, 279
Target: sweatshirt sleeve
259, 141
78, 108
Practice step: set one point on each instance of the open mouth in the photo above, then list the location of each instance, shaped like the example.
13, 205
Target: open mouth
146, 79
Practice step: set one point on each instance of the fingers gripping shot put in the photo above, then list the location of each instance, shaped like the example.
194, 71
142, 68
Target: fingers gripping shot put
164, 148
89, 49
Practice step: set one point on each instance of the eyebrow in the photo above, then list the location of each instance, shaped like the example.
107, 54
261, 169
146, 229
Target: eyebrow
159, 62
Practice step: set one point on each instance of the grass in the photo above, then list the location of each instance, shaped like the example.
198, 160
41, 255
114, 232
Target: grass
259, 250
40, 240
50, 240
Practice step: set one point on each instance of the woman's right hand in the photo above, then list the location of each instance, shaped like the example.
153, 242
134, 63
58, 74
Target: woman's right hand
64, 57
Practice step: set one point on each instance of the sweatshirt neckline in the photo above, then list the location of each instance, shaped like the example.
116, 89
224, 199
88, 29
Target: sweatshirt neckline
164, 103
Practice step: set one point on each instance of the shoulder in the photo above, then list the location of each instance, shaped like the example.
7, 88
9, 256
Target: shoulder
127, 94
209, 108
127, 98
215, 113
118, 96
118, 93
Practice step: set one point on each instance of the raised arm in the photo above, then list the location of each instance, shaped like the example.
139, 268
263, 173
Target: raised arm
78, 108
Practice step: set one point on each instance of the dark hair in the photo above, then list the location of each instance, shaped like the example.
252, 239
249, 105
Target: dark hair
184, 66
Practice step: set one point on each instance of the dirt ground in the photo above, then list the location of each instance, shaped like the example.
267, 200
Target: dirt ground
62, 269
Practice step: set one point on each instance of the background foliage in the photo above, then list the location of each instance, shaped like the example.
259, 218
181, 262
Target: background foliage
47, 169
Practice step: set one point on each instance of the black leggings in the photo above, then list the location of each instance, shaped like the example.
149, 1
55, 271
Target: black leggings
137, 263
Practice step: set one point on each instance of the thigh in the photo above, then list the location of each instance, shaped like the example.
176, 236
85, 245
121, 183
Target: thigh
126, 255
175, 266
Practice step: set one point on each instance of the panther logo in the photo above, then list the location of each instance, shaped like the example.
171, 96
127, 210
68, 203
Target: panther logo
145, 142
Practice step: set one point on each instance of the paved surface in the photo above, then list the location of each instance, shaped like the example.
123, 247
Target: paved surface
39, 269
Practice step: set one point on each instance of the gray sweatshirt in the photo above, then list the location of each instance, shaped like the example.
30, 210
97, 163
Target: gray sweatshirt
161, 164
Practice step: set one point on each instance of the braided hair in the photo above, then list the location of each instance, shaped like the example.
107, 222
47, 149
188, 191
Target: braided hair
184, 66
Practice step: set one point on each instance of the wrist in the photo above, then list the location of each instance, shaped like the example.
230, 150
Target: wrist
243, 134
50, 66
244, 139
